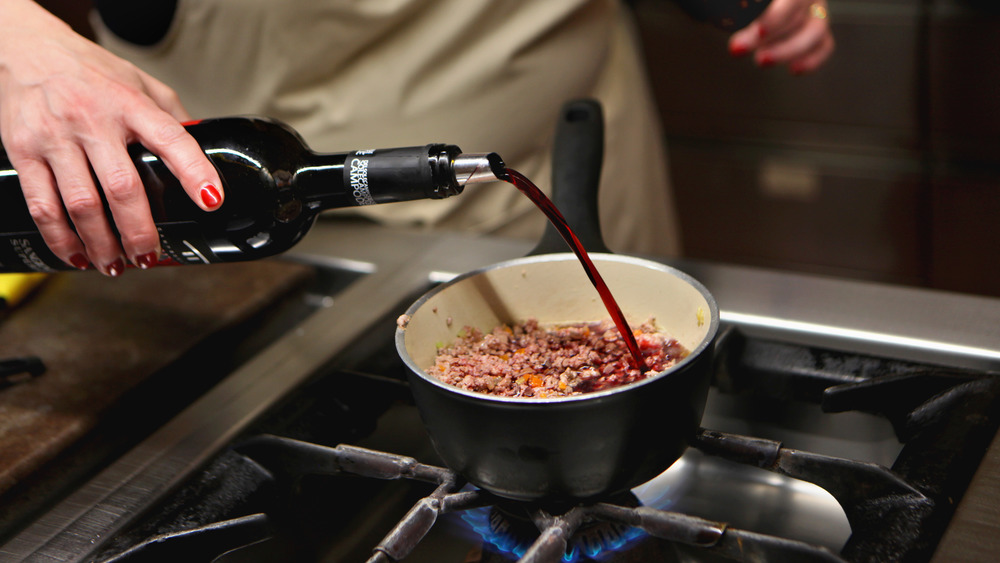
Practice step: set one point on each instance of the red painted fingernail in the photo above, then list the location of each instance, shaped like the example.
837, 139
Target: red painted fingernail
116, 268
146, 261
765, 60
737, 50
79, 261
796, 69
210, 196
761, 31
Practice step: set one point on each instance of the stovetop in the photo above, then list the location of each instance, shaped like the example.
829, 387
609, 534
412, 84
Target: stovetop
772, 314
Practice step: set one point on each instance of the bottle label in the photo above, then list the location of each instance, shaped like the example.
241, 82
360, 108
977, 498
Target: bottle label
358, 178
183, 243
27, 253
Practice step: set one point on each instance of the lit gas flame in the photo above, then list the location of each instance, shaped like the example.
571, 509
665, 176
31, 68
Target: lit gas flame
589, 543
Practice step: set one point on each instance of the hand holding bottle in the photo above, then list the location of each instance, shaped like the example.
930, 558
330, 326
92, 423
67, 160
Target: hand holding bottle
792, 32
68, 108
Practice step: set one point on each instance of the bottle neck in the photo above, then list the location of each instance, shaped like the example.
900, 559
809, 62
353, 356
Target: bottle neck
319, 181
368, 177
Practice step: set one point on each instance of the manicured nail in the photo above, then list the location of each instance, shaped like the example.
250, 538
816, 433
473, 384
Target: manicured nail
146, 261
761, 31
79, 261
210, 196
765, 60
738, 50
796, 69
116, 268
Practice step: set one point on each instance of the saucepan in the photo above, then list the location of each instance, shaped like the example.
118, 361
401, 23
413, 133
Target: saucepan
577, 447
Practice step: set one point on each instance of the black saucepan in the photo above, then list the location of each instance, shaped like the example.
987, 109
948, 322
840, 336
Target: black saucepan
568, 448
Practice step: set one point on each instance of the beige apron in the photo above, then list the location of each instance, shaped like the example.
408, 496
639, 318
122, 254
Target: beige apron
487, 75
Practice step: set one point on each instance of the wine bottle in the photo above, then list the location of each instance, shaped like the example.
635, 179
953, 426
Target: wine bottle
275, 188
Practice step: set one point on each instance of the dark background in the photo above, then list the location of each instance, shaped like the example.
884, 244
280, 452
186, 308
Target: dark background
884, 166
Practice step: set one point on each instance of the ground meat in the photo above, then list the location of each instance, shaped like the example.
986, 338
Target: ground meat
526, 360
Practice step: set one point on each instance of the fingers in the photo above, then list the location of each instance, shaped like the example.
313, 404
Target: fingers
127, 200
792, 32
46, 209
746, 39
68, 206
803, 52
782, 19
126, 197
77, 108
184, 157
179, 151
85, 208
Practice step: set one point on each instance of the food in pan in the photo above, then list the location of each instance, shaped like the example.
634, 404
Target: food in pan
530, 360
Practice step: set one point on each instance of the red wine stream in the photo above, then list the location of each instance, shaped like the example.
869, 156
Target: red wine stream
559, 222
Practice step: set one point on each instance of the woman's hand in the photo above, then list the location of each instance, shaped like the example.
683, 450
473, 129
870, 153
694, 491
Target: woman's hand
792, 32
68, 108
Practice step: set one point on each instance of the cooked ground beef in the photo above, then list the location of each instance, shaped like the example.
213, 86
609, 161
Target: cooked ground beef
527, 360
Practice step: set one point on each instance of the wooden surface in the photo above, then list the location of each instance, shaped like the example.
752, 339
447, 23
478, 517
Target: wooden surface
101, 337
972, 534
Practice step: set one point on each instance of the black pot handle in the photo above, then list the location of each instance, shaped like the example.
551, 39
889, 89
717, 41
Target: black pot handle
576, 172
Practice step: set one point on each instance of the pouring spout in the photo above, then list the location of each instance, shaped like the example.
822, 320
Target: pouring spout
478, 168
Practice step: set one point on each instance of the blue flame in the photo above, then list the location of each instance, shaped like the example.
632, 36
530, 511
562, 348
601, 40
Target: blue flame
478, 520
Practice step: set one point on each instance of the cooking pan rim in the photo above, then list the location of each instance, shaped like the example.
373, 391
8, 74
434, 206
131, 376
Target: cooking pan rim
708, 340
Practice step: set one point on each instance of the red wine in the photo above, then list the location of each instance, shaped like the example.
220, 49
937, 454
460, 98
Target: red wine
275, 188
559, 222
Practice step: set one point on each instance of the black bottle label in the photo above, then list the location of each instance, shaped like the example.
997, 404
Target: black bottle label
26, 252
357, 177
185, 244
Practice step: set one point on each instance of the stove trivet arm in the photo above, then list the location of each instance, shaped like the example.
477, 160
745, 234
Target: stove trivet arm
297, 458
849, 481
672, 526
555, 535
716, 538
867, 492
412, 528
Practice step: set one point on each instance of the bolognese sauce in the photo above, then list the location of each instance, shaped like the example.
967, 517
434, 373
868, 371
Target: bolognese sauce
530, 360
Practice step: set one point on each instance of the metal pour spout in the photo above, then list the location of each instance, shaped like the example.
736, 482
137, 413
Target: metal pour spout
477, 168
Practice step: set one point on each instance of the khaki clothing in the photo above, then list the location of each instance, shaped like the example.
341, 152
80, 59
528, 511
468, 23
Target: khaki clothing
486, 75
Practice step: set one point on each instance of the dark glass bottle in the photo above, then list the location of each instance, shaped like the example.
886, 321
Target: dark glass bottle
275, 188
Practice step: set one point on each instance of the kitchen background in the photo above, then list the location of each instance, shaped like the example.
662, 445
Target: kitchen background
884, 166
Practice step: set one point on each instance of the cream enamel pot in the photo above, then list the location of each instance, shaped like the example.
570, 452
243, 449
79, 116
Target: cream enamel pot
568, 448
565, 448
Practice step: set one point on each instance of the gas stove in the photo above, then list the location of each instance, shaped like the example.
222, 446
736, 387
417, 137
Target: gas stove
847, 421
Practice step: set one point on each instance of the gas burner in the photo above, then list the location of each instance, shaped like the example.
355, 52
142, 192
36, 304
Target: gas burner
509, 528
564, 536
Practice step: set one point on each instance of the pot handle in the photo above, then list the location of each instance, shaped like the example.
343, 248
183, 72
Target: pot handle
576, 173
